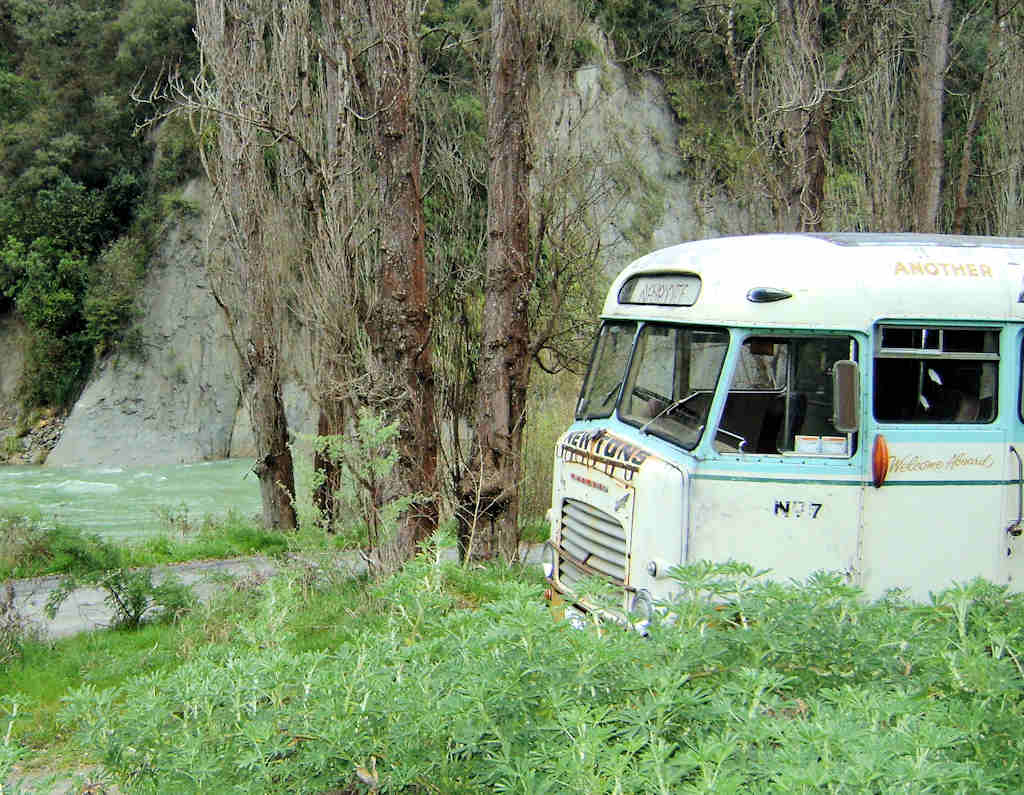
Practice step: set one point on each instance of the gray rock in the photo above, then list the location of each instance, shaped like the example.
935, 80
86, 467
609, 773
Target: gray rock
179, 403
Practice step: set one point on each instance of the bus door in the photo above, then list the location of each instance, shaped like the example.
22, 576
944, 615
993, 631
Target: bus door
781, 487
1012, 546
934, 511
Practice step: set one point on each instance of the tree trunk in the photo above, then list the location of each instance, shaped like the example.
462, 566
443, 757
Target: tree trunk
489, 522
398, 323
252, 263
807, 115
977, 113
931, 81
273, 456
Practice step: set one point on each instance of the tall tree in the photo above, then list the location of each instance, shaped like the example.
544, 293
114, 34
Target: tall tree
929, 160
250, 270
806, 109
1002, 142
490, 492
325, 94
994, 36
398, 320
875, 146
787, 83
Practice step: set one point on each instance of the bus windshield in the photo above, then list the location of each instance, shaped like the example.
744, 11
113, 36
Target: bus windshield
671, 380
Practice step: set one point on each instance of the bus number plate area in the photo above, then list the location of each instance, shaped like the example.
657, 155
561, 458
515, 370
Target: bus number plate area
796, 509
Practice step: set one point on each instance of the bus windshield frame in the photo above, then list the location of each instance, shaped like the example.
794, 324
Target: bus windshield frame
667, 384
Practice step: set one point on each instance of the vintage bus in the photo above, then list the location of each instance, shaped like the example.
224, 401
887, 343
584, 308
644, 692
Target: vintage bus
806, 402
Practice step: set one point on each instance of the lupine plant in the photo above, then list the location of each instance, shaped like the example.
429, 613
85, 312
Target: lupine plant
449, 679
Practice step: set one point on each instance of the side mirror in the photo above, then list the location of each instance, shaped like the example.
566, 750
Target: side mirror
846, 395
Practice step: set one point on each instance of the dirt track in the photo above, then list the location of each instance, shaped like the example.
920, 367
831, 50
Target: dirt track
86, 610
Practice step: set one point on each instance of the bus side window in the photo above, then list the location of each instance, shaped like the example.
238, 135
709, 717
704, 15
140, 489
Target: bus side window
935, 375
780, 400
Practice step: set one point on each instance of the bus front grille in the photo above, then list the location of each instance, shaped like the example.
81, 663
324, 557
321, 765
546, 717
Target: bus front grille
593, 542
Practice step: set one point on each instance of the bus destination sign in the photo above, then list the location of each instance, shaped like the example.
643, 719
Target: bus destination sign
664, 289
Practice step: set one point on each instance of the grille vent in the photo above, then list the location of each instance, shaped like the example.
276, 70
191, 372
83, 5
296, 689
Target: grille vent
595, 539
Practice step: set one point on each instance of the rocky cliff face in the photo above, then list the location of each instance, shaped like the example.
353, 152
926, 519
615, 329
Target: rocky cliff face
633, 129
177, 403
183, 401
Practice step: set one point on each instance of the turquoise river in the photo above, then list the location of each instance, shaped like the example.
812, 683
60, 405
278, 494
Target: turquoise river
124, 503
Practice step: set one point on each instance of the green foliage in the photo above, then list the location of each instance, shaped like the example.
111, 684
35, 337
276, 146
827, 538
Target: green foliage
109, 303
15, 630
451, 38
191, 538
177, 156
155, 35
10, 752
549, 411
47, 285
130, 593
711, 139
46, 282
672, 36
55, 369
29, 548
73, 173
67, 213
535, 531
47, 669
757, 687
365, 459
72, 307
15, 95
11, 445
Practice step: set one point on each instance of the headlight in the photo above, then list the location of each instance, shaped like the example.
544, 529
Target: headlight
549, 559
656, 569
643, 606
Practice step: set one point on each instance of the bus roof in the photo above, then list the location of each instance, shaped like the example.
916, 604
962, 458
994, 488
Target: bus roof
844, 281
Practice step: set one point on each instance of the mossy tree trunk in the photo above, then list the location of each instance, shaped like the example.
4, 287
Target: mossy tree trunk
489, 516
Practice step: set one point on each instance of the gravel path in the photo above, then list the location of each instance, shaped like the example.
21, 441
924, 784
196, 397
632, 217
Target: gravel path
86, 610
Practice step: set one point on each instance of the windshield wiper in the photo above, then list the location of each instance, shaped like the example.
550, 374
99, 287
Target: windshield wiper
613, 391
670, 407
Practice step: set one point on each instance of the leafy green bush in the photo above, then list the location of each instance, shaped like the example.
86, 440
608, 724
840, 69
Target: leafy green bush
109, 303
30, 548
74, 177
15, 95
191, 539
364, 459
72, 307
447, 679
177, 156
47, 284
130, 593
15, 629
155, 35
10, 752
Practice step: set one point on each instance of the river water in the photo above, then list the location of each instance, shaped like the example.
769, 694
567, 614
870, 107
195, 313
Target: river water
129, 503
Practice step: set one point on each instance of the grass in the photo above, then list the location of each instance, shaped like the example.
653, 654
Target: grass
31, 548
46, 672
451, 679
